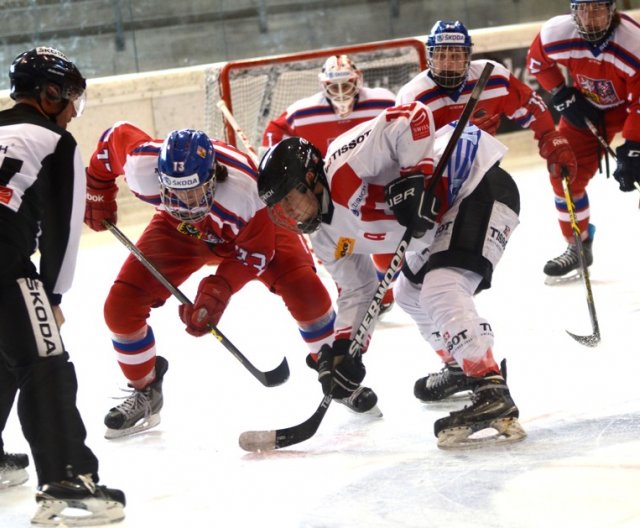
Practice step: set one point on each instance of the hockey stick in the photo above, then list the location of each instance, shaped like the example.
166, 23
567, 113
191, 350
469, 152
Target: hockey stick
270, 378
593, 339
276, 439
236, 128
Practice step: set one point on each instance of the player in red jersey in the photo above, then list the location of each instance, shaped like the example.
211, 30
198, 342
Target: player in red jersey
343, 103
208, 213
601, 50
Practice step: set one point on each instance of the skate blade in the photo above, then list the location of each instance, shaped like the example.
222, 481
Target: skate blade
15, 477
457, 398
506, 431
89, 512
142, 425
374, 412
563, 279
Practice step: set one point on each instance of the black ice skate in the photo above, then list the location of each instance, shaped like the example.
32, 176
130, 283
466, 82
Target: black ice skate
362, 401
141, 410
566, 267
13, 470
444, 385
78, 501
491, 408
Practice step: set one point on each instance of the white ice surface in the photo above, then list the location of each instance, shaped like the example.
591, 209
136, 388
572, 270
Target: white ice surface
579, 466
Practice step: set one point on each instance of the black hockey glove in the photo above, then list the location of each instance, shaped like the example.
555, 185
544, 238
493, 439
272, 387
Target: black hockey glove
408, 201
627, 172
338, 372
574, 107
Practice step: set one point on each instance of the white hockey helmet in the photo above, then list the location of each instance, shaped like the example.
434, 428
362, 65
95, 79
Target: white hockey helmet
341, 81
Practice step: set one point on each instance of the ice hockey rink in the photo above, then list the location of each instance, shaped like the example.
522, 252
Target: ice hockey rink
578, 467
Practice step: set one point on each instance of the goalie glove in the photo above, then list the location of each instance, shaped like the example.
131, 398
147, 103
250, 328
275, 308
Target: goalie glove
100, 203
574, 107
408, 200
561, 160
339, 373
211, 301
627, 172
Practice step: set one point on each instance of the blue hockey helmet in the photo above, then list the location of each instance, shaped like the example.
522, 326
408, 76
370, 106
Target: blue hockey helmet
186, 168
449, 53
593, 18
40, 67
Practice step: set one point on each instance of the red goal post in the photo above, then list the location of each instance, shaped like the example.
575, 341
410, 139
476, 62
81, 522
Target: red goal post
258, 90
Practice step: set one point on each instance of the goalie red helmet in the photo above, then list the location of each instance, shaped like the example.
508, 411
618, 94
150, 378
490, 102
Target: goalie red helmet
291, 182
449, 53
33, 70
593, 18
341, 81
186, 168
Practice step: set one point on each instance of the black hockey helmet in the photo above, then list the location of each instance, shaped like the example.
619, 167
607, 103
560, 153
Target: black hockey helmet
34, 69
294, 163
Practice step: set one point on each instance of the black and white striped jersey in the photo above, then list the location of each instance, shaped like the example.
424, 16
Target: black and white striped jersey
42, 194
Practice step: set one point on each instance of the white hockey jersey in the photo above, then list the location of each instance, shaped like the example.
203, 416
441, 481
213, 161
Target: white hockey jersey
359, 164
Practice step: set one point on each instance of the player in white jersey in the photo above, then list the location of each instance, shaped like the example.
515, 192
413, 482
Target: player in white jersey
42, 189
445, 88
343, 103
600, 48
360, 201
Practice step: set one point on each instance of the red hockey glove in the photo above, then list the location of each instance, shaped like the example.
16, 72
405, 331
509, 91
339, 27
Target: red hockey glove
555, 148
213, 296
486, 122
100, 203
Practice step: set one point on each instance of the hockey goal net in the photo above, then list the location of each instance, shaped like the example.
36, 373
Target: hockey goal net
259, 90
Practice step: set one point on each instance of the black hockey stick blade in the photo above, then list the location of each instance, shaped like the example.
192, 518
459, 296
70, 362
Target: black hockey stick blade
258, 441
271, 378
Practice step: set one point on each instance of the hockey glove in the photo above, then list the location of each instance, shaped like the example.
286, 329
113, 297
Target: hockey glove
100, 203
561, 160
408, 201
627, 172
486, 122
213, 296
339, 373
574, 107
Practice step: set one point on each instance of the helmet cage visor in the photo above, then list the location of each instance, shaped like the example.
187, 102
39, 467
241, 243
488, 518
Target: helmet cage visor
299, 210
185, 201
593, 19
449, 65
342, 93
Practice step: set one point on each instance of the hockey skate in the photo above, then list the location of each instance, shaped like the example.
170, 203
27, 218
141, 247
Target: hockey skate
362, 401
450, 384
491, 408
141, 410
13, 470
78, 501
566, 267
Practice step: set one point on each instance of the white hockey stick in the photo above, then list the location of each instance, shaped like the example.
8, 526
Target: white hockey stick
239, 132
